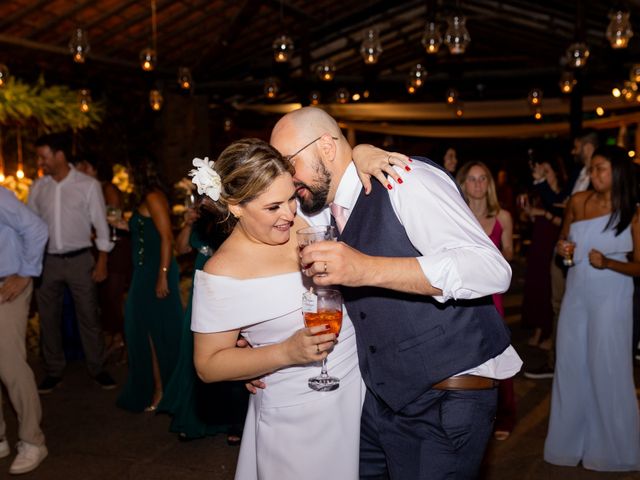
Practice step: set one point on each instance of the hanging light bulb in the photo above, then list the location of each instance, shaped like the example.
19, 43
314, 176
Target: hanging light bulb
184, 78
342, 95
282, 49
2, 177
84, 100
537, 113
535, 97
629, 91
634, 73
155, 99
577, 54
616, 92
459, 110
148, 59
411, 88
431, 39
79, 45
457, 36
451, 96
271, 87
326, 70
567, 82
314, 97
4, 74
599, 111
619, 31
371, 48
417, 75
227, 124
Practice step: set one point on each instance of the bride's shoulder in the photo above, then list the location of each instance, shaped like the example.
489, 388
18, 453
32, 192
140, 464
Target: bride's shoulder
223, 262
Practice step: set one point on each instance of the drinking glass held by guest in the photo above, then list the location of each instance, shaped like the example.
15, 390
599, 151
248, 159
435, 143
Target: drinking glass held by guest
198, 408
594, 410
253, 286
153, 312
111, 292
477, 184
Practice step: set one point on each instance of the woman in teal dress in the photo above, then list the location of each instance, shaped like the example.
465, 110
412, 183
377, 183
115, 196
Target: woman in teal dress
201, 409
153, 312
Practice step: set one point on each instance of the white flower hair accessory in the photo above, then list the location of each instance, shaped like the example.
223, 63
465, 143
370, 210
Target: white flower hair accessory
206, 178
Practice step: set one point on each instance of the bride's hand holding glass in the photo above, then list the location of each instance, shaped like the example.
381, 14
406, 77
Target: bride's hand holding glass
308, 345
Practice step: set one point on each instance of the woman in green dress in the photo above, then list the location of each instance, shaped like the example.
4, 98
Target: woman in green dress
201, 409
153, 311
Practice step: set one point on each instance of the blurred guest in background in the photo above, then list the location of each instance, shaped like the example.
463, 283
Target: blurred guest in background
479, 189
153, 312
71, 204
450, 161
594, 411
23, 237
112, 291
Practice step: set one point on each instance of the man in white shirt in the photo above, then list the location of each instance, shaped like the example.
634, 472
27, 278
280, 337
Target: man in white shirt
428, 342
70, 203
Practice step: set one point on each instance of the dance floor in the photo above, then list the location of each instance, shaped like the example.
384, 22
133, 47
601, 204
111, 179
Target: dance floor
89, 438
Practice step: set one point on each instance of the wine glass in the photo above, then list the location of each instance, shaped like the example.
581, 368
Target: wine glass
114, 215
318, 233
570, 247
323, 307
189, 200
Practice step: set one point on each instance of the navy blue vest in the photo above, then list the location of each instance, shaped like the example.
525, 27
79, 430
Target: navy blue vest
407, 343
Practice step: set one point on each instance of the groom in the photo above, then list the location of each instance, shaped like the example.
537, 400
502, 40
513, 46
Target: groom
416, 270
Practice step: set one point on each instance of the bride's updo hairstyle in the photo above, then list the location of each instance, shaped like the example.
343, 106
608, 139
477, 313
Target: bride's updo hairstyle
246, 168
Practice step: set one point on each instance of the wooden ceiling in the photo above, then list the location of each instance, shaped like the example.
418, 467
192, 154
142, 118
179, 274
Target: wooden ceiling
515, 45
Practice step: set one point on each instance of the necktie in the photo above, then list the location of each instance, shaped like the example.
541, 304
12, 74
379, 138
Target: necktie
340, 215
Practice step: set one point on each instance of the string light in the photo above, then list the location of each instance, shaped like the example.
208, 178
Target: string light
149, 55
4, 74
431, 39
371, 47
79, 45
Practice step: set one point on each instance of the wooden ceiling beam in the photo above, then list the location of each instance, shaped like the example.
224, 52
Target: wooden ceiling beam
110, 13
20, 13
49, 26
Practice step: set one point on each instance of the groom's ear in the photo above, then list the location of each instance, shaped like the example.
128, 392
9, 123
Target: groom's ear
327, 147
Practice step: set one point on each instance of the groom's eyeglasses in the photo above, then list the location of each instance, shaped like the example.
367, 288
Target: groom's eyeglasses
289, 158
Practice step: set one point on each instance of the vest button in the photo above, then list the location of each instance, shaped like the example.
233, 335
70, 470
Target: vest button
363, 315
372, 348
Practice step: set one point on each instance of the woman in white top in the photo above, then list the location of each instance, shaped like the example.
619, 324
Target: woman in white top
253, 287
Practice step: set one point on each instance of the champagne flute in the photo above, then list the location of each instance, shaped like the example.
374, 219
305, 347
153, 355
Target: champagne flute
323, 307
570, 247
114, 215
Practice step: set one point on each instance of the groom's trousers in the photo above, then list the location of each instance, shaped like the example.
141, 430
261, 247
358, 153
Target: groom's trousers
441, 435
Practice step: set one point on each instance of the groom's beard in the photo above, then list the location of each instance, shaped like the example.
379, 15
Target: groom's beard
316, 199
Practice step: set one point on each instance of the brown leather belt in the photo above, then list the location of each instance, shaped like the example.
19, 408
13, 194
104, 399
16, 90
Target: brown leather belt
466, 382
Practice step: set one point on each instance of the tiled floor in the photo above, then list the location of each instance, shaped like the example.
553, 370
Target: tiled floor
89, 438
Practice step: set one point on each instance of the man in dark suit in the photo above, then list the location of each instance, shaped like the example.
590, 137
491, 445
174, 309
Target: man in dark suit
416, 269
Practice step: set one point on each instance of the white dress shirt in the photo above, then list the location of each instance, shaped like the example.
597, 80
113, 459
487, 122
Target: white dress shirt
457, 255
582, 182
70, 208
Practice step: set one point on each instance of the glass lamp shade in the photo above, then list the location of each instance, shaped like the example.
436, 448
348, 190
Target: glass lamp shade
326, 70
371, 48
79, 45
451, 96
84, 100
629, 91
342, 95
459, 110
314, 97
567, 82
634, 73
184, 78
271, 87
227, 124
535, 97
282, 49
457, 36
417, 75
577, 55
431, 39
4, 74
411, 89
619, 31
156, 100
537, 113
148, 59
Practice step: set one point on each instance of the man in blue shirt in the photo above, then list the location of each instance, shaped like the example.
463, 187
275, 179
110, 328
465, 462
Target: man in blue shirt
22, 237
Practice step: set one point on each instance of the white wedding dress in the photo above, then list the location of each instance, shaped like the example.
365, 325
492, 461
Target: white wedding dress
291, 432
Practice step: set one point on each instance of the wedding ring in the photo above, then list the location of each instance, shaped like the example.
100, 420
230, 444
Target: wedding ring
317, 348
325, 267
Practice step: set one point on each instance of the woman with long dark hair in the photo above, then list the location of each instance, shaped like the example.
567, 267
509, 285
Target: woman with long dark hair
153, 312
594, 411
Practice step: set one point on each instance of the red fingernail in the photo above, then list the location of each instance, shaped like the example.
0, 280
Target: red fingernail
410, 160
399, 180
389, 186
407, 168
